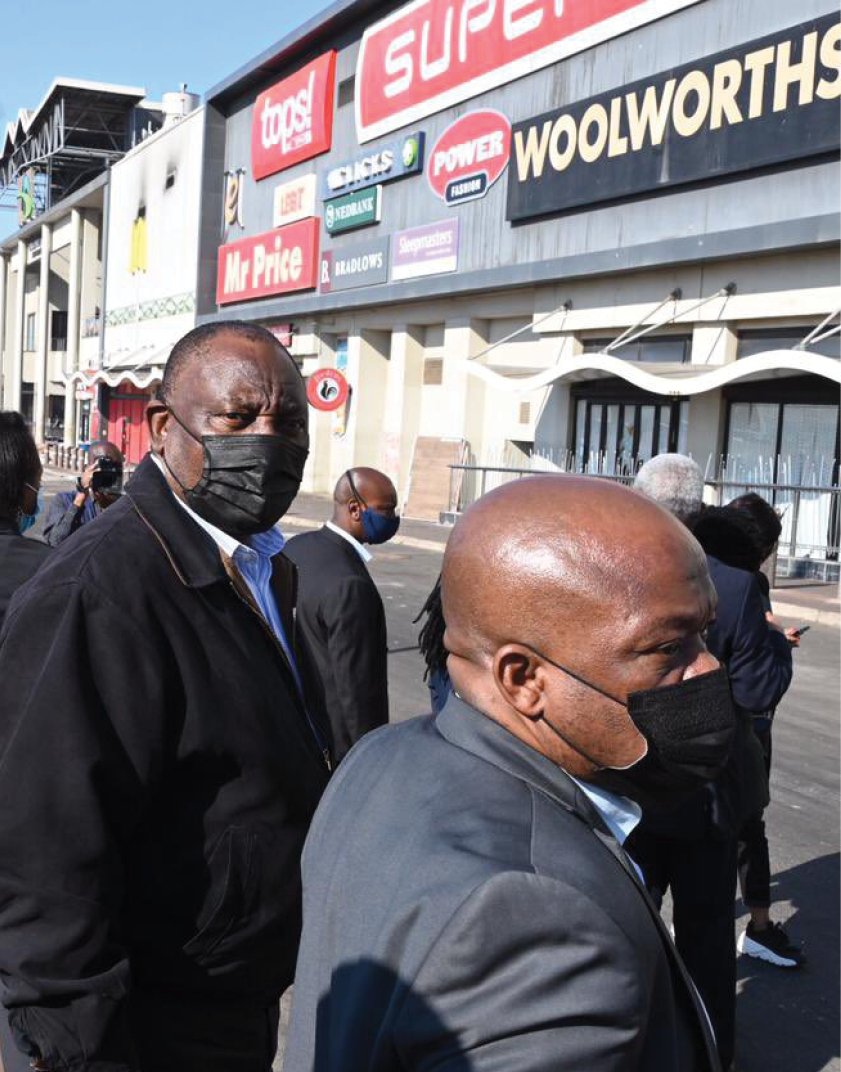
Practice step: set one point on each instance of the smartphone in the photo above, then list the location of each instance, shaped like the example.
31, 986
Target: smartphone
803, 629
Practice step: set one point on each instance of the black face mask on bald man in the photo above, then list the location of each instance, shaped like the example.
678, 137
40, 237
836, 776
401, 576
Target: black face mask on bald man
688, 729
248, 482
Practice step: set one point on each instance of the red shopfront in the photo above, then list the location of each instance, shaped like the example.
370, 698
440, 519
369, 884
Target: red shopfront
124, 419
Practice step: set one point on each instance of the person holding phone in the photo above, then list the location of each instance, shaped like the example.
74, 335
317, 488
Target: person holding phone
755, 529
99, 487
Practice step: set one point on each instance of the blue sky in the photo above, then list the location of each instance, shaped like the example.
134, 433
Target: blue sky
157, 44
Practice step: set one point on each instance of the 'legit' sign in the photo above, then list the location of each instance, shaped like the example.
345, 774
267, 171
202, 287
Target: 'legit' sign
275, 263
293, 120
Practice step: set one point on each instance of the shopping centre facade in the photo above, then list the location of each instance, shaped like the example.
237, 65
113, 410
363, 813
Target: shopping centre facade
578, 232
586, 231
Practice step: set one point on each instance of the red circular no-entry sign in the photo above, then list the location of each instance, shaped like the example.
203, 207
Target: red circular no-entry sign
327, 389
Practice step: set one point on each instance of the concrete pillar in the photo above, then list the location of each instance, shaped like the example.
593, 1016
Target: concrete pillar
401, 419
16, 372
42, 327
4, 372
367, 374
74, 296
705, 429
714, 344
317, 475
464, 394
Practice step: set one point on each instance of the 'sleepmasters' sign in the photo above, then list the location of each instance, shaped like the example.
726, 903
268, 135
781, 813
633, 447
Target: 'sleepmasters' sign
395, 160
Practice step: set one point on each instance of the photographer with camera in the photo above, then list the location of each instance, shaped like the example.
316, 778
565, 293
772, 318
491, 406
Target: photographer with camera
99, 487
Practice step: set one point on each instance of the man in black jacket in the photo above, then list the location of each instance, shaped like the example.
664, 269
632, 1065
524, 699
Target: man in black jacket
340, 611
467, 901
693, 851
158, 766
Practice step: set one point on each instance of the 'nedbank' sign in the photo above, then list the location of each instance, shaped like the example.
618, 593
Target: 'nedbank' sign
358, 209
766, 102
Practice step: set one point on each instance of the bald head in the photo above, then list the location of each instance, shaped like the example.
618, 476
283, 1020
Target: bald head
564, 595
538, 556
359, 490
106, 450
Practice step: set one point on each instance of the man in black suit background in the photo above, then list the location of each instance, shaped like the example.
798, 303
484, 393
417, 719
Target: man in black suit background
340, 611
467, 902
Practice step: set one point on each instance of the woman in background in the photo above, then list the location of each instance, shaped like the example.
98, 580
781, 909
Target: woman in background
20, 503
743, 534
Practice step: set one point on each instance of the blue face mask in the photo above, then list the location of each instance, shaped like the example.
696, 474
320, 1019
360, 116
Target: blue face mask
377, 527
26, 521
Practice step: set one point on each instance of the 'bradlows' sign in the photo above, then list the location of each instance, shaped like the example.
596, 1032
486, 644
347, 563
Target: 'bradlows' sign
433, 54
769, 101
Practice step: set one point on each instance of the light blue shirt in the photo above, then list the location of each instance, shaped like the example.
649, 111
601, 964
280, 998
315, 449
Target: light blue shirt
254, 562
620, 815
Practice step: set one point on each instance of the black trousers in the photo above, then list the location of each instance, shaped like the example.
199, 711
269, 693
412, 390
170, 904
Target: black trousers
180, 1034
702, 877
754, 857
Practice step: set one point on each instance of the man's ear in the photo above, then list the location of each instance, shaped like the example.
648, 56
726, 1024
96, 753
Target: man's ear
157, 418
354, 509
519, 677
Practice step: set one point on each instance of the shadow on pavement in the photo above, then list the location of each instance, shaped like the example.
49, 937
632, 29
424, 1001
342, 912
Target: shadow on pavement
788, 1019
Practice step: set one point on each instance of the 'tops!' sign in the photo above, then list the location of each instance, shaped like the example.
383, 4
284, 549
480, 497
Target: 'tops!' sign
469, 156
293, 120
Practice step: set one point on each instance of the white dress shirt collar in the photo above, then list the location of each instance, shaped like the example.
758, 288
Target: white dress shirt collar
270, 542
362, 551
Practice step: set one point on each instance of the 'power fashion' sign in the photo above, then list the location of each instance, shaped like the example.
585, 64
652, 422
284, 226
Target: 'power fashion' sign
769, 101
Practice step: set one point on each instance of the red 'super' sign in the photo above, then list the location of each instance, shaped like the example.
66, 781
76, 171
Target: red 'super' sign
293, 120
274, 263
432, 54
469, 156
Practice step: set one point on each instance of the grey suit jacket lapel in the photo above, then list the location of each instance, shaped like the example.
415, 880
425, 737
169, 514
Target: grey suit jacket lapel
465, 727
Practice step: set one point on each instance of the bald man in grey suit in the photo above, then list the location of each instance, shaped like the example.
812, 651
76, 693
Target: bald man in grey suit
468, 906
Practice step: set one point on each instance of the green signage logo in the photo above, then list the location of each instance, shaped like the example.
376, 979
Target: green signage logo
361, 208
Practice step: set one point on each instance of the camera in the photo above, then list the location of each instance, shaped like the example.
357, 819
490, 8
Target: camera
108, 477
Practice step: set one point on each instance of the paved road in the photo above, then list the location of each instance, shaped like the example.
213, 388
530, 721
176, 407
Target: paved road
787, 1021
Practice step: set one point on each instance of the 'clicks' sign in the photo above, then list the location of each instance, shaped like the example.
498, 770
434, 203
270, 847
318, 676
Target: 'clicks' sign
396, 160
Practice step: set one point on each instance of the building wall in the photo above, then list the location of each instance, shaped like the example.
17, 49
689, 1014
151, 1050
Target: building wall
152, 305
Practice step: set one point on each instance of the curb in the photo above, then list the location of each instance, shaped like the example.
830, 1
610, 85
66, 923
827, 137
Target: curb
807, 614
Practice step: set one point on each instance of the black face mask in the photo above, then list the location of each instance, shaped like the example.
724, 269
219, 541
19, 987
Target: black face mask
248, 482
689, 729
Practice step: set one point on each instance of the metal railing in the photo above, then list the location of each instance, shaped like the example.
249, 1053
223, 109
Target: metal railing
810, 514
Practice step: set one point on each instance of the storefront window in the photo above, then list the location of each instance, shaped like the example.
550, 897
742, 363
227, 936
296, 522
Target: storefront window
616, 436
752, 441
794, 447
650, 348
761, 340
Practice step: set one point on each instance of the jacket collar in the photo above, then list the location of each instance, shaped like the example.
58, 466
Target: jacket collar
467, 728
193, 555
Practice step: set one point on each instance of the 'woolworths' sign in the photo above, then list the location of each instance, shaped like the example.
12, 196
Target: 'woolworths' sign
358, 209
